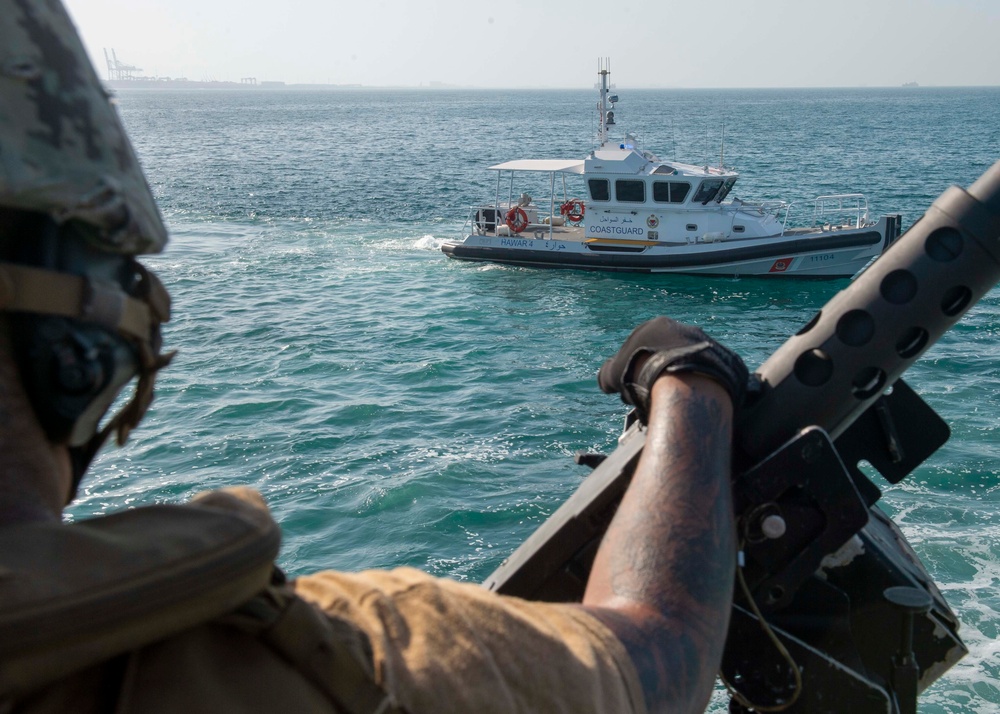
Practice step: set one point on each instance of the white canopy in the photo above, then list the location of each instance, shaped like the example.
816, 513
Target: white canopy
564, 166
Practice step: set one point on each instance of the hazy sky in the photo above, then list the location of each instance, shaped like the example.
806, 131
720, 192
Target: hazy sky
553, 43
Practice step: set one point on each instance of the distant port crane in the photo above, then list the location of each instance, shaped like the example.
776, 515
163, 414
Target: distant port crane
118, 69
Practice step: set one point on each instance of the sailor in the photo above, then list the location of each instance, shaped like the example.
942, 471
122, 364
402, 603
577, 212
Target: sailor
180, 607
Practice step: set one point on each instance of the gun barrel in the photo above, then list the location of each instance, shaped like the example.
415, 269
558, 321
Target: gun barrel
867, 335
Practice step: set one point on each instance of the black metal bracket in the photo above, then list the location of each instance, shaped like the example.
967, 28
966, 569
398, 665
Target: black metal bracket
795, 508
895, 434
756, 670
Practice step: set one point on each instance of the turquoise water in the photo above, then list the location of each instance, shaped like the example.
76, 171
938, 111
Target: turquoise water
397, 408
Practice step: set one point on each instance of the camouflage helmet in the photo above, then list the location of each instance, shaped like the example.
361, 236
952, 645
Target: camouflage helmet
63, 150
75, 209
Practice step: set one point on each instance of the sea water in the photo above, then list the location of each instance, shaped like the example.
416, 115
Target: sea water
398, 408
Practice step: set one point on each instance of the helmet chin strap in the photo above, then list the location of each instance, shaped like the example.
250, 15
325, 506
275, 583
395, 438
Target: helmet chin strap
134, 317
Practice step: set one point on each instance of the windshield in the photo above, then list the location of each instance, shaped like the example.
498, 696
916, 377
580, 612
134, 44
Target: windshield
707, 191
726, 188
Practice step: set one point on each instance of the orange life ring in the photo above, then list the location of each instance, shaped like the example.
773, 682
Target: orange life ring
517, 219
573, 209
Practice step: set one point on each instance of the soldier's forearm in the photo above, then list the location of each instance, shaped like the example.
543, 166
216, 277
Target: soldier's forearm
663, 576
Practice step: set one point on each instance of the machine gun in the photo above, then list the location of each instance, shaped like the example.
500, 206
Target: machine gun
835, 612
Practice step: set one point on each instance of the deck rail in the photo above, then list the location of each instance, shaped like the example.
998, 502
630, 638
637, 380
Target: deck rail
840, 210
479, 222
485, 219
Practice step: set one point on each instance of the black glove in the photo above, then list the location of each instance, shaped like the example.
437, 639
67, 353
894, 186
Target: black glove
673, 347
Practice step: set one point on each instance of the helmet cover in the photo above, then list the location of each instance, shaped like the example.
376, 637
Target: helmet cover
63, 149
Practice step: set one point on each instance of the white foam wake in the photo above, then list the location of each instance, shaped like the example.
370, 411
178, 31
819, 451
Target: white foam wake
428, 242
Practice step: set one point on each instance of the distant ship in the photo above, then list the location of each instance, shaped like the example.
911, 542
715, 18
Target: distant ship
910, 84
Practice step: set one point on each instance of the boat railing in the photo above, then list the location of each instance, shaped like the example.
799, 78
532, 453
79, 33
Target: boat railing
841, 210
763, 207
482, 220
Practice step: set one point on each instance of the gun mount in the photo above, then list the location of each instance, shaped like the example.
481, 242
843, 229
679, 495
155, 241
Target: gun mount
826, 576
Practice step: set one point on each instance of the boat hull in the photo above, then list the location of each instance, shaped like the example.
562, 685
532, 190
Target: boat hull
821, 254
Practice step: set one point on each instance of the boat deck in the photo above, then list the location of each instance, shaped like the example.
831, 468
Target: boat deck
542, 231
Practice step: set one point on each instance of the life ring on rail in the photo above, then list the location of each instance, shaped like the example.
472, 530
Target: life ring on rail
517, 219
574, 210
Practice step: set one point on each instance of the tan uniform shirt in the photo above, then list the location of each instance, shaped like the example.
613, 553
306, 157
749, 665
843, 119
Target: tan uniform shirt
438, 646
442, 646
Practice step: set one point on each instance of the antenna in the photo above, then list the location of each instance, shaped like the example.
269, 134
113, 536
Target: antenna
603, 72
722, 150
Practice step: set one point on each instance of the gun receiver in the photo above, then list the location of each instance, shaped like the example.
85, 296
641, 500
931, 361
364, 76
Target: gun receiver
832, 575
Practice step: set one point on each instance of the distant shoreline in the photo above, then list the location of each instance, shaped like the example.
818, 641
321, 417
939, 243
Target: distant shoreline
196, 84
170, 84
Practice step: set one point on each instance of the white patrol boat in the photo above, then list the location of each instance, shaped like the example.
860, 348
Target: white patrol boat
643, 214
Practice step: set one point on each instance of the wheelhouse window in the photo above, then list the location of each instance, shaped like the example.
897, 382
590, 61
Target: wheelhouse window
599, 190
630, 191
707, 191
670, 191
726, 188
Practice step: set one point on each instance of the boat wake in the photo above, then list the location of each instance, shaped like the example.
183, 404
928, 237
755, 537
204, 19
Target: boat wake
428, 242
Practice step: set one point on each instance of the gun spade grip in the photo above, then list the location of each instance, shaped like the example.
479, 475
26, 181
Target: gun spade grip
868, 334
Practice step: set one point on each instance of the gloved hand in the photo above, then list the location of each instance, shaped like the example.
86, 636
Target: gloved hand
672, 347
